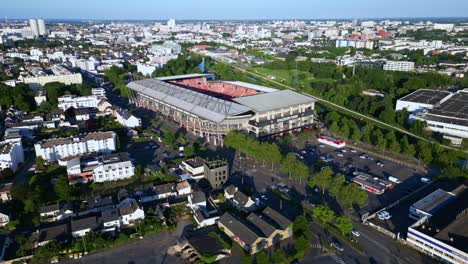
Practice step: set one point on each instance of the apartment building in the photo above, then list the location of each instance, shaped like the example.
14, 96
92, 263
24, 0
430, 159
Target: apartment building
405, 66
108, 167
61, 148
11, 154
67, 101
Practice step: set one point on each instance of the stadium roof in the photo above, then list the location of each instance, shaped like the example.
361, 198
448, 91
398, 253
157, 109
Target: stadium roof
252, 86
274, 100
186, 76
202, 105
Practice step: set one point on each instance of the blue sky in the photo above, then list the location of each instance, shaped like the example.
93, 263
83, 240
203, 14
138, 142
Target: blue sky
230, 9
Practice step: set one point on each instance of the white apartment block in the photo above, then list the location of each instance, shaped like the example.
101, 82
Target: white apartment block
113, 167
11, 154
108, 167
399, 66
98, 92
67, 101
60, 148
42, 80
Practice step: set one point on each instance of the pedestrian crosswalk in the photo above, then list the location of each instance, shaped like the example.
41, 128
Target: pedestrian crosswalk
316, 246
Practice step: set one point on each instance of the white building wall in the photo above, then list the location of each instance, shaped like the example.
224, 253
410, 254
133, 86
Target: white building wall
435, 248
114, 171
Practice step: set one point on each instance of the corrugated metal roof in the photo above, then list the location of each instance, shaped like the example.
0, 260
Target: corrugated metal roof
252, 86
274, 100
186, 76
205, 106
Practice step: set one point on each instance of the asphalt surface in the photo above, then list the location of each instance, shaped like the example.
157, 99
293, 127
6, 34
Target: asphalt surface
149, 250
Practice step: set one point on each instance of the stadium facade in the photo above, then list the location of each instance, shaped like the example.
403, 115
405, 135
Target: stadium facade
210, 108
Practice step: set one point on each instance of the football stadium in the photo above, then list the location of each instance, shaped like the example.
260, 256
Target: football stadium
210, 108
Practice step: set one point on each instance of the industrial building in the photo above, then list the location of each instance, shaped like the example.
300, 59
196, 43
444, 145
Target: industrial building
210, 108
443, 233
444, 112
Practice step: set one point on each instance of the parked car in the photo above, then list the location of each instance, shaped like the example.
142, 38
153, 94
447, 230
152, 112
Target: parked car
353, 150
394, 179
338, 246
363, 156
379, 163
384, 215
339, 154
426, 180
355, 232
343, 150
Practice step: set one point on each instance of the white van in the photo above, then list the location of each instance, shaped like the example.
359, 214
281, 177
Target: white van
394, 179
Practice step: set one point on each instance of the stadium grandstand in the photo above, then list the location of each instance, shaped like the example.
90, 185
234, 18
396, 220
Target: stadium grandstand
210, 108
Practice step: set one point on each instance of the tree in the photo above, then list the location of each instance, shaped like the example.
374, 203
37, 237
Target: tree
301, 227
62, 189
40, 164
366, 133
287, 164
344, 224
300, 171
323, 213
274, 154
350, 194
336, 184
279, 256
262, 258
323, 179
169, 138
334, 129
189, 151
424, 151
301, 246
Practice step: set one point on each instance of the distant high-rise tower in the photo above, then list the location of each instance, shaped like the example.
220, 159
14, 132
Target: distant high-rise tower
34, 27
42, 27
171, 23
355, 22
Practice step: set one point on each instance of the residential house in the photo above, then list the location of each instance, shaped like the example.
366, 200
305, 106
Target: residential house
238, 199
82, 226
130, 212
194, 169
183, 188
240, 233
110, 220
56, 212
204, 211
99, 204
4, 218
5, 192
59, 233
126, 119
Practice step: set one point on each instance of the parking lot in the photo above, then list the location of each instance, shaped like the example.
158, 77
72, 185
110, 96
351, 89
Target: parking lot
350, 161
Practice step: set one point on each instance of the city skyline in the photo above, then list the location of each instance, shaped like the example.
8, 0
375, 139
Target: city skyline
210, 10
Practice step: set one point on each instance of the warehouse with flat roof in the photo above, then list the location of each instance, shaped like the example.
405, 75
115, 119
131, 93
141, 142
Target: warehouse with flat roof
211, 108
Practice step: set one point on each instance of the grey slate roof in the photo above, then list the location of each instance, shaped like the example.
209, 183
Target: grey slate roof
278, 218
274, 100
202, 105
238, 228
